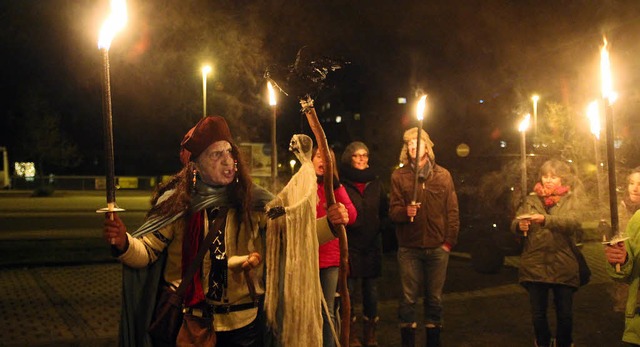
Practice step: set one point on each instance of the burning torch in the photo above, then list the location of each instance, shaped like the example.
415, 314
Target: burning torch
422, 104
274, 149
608, 97
522, 128
115, 22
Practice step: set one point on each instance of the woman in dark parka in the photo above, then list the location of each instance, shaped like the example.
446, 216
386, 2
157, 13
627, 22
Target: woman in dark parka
365, 246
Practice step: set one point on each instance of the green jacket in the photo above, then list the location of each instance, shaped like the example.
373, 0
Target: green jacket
547, 256
631, 274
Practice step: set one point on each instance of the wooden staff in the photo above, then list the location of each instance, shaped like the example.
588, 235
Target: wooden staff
321, 139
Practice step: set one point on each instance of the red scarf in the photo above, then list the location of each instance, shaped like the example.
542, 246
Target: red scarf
550, 198
190, 244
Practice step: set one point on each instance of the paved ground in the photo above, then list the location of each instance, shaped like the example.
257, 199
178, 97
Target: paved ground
75, 302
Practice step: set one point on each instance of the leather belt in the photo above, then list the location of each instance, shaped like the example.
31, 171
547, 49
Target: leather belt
208, 310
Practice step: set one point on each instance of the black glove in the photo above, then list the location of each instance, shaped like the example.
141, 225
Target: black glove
275, 212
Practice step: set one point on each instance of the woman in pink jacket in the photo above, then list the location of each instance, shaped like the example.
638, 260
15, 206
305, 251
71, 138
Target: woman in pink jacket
329, 252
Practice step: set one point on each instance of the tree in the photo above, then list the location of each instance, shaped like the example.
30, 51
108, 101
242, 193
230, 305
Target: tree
44, 141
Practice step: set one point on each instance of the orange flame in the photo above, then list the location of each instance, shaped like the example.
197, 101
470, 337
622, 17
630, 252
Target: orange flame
422, 105
524, 124
605, 71
114, 23
594, 118
272, 94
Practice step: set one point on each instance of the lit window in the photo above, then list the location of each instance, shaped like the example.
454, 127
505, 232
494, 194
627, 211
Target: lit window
402, 100
25, 169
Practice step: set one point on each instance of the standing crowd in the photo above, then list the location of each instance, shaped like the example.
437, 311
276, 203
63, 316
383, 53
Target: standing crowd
204, 239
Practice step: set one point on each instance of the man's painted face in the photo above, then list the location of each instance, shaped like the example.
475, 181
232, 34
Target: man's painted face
216, 164
360, 159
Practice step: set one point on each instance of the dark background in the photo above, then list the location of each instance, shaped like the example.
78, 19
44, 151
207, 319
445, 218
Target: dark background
478, 61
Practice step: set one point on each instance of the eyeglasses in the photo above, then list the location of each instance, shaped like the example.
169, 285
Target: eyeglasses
365, 155
215, 155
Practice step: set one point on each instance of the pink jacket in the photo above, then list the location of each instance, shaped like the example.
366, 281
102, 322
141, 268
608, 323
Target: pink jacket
330, 252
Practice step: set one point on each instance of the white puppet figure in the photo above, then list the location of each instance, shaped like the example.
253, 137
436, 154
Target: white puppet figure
293, 290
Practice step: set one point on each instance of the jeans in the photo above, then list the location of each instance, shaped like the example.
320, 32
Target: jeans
369, 295
563, 301
422, 268
329, 283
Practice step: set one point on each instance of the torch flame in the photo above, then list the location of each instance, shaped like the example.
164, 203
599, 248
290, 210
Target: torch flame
422, 105
272, 94
524, 125
114, 23
605, 70
594, 118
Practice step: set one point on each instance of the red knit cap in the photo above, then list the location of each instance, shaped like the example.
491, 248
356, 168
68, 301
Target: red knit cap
208, 130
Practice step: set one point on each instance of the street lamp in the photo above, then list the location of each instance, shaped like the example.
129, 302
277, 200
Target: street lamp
205, 70
292, 163
535, 99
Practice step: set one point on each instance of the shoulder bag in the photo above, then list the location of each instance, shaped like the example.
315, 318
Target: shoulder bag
168, 316
583, 268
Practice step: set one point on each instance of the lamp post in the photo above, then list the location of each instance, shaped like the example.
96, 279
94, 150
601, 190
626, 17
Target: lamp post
205, 71
274, 147
535, 99
522, 128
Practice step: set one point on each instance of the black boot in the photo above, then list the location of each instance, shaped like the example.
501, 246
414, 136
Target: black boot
433, 336
408, 334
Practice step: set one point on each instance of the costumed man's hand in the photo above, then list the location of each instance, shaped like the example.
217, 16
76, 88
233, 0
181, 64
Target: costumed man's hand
616, 253
252, 261
114, 231
337, 214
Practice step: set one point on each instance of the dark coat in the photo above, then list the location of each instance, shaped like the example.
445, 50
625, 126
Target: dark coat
547, 256
365, 244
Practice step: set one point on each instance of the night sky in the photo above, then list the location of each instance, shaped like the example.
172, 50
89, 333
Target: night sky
458, 52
